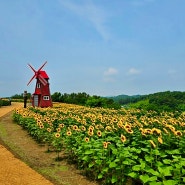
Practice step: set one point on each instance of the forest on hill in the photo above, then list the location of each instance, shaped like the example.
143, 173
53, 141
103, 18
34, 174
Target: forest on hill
160, 101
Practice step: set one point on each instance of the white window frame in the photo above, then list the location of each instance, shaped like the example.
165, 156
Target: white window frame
45, 97
38, 85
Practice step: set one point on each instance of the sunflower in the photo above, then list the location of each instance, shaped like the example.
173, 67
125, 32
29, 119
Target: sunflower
84, 121
127, 126
114, 120
69, 133
39, 122
75, 127
108, 128
90, 133
148, 131
105, 144
160, 140
86, 139
129, 130
178, 133
49, 129
123, 138
57, 135
91, 128
61, 125
119, 124
41, 126
83, 128
171, 128
156, 131
58, 129
24, 115
152, 143
99, 133
165, 130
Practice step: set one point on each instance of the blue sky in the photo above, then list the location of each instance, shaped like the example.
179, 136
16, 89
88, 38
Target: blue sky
101, 47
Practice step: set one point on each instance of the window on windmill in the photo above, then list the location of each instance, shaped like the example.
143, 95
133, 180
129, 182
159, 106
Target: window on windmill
38, 85
45, 97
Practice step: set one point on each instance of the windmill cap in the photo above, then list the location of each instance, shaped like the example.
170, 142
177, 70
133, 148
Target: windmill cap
44, 74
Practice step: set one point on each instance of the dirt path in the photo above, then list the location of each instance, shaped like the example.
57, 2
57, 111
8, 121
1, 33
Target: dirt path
12, 170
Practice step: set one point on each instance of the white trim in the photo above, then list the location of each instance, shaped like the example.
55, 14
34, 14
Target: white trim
45, 97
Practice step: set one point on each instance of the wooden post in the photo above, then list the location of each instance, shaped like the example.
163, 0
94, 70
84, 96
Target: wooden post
25, 98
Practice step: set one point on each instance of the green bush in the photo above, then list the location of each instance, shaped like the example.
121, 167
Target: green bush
5, 102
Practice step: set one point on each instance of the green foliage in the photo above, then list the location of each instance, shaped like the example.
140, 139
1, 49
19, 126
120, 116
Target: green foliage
162, 101
20, 96
85, 99
5, 102
126, 99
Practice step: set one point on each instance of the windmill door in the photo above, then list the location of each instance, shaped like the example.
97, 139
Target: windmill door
36, 100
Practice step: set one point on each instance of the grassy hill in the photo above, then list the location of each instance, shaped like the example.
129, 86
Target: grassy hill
160, 101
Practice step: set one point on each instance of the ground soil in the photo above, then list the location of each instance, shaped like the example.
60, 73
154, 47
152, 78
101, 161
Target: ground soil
25, 162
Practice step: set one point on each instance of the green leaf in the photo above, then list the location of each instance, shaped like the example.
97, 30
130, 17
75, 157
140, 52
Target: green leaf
126, 162
112, 165
154, 178
114, 178
98, 162
170, 182
183, 179
114, 151
134, 175
165, 171
85, 158
136, 168
144, 178
91, 165
87, 152
167, 161
100, 176
105, 169
153, 172
148, 158
155, 183
143, 164
182, 163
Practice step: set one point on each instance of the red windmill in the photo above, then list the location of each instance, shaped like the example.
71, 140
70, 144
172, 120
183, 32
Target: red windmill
41, 97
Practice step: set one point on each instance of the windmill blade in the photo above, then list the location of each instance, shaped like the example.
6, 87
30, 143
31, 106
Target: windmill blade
42, 80
42, 66
32, 68
31, 79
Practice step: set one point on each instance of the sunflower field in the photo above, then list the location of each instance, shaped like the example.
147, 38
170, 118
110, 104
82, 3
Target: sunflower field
113, 146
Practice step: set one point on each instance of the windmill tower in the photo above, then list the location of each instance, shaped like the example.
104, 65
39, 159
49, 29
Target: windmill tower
41, 97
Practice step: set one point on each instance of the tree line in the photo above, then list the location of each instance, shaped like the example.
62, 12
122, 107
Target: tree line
85, 99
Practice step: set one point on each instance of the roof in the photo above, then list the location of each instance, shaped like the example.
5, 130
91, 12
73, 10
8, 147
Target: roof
44, 74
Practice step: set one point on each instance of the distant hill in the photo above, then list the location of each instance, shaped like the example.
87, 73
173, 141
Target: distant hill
167, 101
125, 99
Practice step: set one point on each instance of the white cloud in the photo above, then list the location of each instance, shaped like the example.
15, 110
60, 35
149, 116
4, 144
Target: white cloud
109, 74
133, 71
90, 12
110, 71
